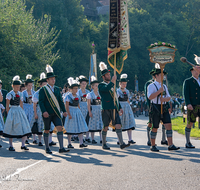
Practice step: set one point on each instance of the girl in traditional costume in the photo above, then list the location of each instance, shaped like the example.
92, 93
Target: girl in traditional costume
82, 93
127, 118
1, 117
17, 125
94, 117
75, 122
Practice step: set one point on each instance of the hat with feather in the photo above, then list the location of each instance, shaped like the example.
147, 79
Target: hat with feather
73, 82
28, 79
16, 80
157, 70
94, 80
0, 81
42, 78
103, 68
123, 78
50, 72
82, 78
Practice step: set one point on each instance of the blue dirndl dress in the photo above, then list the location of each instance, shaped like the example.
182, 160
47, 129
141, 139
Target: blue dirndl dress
1, 123
95, 123
40, 121
77, 124
16, 125
28, 104
127, 118
83, 102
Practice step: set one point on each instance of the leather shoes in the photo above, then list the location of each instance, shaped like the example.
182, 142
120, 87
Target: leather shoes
11, 148
88, 140
52, 143
149, 143
26, 142
72, 139
70, 146
24, 148
124, 145
164, 142
83, 145
94, 142
48, 151
35, 142
154, 149
131, 142
173, 147
40, 144
0, 145
189, 145
117, 143
105, 147
63, 150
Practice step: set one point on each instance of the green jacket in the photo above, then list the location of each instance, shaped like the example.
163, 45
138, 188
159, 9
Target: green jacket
4, 92
191, 92
107, 101
44, 103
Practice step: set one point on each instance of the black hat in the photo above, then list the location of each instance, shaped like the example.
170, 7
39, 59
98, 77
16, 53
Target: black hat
158, 71
94, 80
29, 79
50, 73
0, 82
16, 80
103, 68
82, 78
72, 82
42, 78
123, 78
22, 85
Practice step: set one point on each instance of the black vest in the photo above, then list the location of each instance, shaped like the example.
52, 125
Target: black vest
15, 102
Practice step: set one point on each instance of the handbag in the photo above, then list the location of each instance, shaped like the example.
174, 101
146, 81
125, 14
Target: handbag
35, 128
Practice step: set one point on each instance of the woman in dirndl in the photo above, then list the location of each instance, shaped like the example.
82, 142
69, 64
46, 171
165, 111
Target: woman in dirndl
1, 117
28, 104
16, 125
127, 118
82, 93
94, 118
75, 123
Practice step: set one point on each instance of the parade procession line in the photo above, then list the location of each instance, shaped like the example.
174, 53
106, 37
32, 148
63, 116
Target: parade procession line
93, 168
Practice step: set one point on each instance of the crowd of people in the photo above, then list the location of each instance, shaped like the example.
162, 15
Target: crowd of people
80, 111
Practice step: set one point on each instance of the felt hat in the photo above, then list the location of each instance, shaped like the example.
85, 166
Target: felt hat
123, 78
50, 72
29, 79
94, 80
16, 80
72, 82
42, 78
82, 78
103, 68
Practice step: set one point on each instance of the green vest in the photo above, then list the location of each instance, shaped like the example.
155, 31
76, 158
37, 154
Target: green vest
191, 92
44, 103
107, 101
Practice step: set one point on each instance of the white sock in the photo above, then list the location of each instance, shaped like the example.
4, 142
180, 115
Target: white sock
100, 136
92, 135
87, 135
129, 132
80, 137
50, 137
40, 138
34, 137
69, 139
23, 141
10, 142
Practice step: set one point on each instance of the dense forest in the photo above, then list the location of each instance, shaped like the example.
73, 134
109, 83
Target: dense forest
36, 32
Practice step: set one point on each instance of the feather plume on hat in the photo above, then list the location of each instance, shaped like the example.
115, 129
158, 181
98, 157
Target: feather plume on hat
49, 69
42, 76
16, 78
81, 77
70, 80
197, 59
102, 66
123, 76
157, 66
93, 78
28, 76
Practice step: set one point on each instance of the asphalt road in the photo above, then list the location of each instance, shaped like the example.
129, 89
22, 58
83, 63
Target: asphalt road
93, 168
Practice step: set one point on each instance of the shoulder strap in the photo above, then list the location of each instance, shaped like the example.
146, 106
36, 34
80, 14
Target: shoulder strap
157, 90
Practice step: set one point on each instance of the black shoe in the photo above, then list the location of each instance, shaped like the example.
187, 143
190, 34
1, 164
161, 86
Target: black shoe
164, 143
26, 142
24, 148
105, 147
48, 151
72, 139
83, 140
77, 139
131, 142
94, 142
154, 149
52, 143
149, 143
173, 147
124, 145
83, 145
189, 145
40, 144
100, 142
70, 146
63, 150
117, 143
35, 142
11, 148
0, 145
88, 140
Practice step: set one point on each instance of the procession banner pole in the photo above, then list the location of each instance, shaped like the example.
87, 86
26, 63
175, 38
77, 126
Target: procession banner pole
114, 85
162, 68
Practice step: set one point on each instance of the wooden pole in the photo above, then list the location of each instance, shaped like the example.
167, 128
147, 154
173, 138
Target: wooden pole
114, 84
162, 68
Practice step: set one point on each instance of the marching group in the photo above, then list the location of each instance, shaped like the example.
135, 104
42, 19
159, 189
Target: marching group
77, 111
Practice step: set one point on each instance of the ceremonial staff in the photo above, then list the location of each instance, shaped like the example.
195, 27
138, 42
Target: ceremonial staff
162, 53
118, 39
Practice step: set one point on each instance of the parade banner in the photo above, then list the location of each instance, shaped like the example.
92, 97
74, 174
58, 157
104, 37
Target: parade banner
119, 38
93, 66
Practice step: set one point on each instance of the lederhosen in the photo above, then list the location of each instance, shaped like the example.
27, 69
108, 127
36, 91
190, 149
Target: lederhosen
155, 112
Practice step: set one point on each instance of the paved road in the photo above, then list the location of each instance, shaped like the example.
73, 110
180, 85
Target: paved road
93, 168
